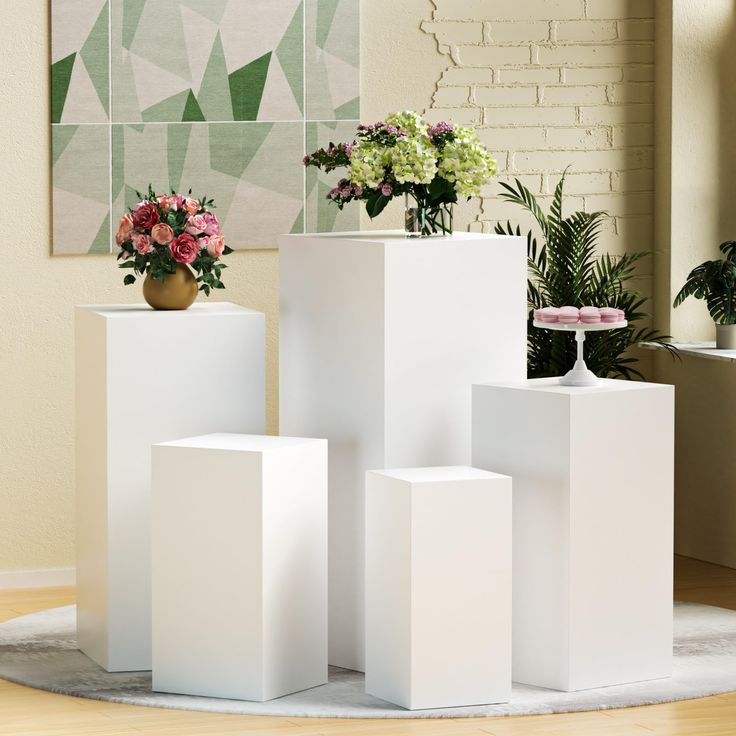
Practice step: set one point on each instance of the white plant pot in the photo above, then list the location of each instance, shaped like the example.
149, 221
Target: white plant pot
726, 337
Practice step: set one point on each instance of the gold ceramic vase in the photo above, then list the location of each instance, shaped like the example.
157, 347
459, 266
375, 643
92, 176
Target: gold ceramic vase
177, 291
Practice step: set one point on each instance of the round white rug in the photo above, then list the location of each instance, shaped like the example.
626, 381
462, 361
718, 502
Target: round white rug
39, 650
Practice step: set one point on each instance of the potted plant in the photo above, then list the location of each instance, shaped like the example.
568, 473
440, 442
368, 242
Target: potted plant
430, 166
566, 269
169, 238
715, 282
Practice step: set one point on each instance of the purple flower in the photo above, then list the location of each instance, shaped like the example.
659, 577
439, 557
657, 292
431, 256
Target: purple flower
392, 129
306, 160
333, 193
386, 190
358, 191
346, 191
440, 128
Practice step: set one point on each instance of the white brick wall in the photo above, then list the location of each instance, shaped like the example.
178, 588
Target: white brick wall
552, 83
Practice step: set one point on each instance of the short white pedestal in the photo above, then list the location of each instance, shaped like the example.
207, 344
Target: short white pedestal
438, 587
593, 519
381, 338
239, 566
143, 377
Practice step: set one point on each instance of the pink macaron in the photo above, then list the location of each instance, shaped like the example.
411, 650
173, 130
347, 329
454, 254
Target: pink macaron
537, 315
549, 314
569, 315
590, 315
609, 315
621, 315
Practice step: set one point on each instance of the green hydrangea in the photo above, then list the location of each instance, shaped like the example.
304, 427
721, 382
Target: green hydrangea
412, 123
368, 164
413, 159
467, 163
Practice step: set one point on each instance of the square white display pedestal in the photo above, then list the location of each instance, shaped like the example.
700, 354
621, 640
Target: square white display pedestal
239, 566
438, 587
593, 526
381, 338
143, 377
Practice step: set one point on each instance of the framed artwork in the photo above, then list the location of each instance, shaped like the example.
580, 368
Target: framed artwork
223, 96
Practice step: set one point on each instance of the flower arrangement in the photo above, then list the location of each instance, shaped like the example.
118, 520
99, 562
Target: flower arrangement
430, 165
163, 231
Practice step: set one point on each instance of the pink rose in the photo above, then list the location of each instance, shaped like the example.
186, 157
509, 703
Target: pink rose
196, 224
191, 205
169, 201
141, 243
184, 249
212, 224
215, 245
124, 228
162, 234
145, 215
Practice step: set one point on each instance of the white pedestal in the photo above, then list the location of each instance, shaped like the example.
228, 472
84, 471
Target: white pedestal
239, 566
143, 377
381, 339
593, 519
438, 587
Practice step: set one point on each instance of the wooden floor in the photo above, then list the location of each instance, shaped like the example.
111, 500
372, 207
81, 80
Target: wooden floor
24, 711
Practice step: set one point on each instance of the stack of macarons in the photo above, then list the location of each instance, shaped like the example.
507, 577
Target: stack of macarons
585, 315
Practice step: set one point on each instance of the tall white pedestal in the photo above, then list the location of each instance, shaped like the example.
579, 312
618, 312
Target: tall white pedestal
438, 587
593, 520
144, 377
381, 339
239, 566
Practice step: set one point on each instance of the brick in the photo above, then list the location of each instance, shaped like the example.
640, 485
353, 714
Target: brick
452, 96
596, 55
526, 10
584, 30
583, 138
460, 115
493, 55
588, 183
636, 30
533, 75
571, 95
594, 75
497, 209
633, 135
449, 32
632, 92
642, 73
530, 116
582, 161
519, 32
603, 9
504, 96
459, 75
641, 180
512, 137
622, 204
636, 232
616, 114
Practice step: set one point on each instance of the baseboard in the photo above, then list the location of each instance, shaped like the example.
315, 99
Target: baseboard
53, 578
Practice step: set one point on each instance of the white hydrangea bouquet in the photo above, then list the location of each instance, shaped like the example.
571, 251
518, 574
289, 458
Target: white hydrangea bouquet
430, 165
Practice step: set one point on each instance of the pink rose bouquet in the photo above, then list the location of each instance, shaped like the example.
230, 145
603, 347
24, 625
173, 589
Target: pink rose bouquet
164, 230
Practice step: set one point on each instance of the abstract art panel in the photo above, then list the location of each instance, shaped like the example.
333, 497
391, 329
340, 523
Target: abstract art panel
223, 96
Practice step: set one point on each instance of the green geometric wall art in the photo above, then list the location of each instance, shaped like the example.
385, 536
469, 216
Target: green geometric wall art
223, 96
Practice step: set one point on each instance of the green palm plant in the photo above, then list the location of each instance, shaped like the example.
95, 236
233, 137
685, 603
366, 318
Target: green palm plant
715, 282
566, 270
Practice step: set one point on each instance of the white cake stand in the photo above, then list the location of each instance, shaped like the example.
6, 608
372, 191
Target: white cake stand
580, 375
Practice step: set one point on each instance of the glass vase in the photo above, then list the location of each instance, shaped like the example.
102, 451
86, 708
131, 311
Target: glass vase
421, 221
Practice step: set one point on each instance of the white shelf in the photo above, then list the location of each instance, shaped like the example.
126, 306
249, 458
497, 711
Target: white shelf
697, 349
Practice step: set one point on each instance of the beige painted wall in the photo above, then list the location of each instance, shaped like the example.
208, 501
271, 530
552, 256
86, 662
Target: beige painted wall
604, 107
696, 157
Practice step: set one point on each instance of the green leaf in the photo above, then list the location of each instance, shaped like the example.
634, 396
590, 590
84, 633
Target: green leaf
375, 204
129, 279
